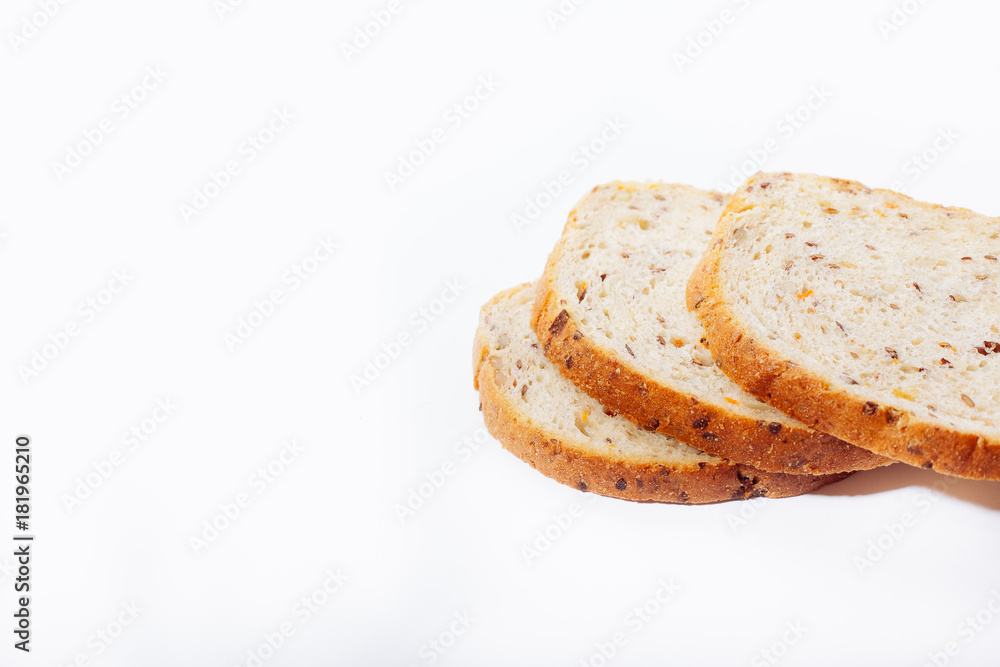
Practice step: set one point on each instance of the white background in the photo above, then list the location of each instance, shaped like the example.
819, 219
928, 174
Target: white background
744, 571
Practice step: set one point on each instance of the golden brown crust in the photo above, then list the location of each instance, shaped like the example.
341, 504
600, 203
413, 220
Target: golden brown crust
628, 479
770, 446
813, 399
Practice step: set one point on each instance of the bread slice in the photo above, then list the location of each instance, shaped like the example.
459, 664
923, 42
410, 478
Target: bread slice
543, 419
610, 314
862, 312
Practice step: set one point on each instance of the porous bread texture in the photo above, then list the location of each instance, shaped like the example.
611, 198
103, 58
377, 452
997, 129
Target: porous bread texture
543, 419
610, 313
862, 312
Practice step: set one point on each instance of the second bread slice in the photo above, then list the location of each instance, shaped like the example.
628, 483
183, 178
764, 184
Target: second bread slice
543, 419
610, 314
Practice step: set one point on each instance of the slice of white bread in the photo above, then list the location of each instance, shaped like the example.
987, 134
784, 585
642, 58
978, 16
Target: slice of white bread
610, 314
862, 312
543, 419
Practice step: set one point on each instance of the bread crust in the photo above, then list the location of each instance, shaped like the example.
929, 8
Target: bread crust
625, 478
769, 446
761, 370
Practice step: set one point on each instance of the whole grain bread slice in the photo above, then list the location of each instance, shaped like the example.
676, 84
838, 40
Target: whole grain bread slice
862, 312
610, 314
543, 419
